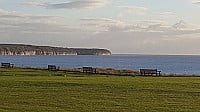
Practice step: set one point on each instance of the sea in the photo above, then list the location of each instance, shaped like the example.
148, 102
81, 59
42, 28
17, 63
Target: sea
169, 64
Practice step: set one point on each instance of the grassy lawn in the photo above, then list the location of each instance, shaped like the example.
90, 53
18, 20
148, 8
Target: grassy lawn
43, 91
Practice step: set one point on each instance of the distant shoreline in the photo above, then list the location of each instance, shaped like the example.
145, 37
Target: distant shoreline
121, 54
32, 50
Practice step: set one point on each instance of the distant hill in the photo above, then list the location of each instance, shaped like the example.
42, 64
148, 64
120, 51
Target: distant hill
21, 49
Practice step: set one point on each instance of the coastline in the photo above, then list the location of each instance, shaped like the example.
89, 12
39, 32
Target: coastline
33, 50
106, 71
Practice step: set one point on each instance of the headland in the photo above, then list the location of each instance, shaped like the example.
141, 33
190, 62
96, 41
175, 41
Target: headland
29, 50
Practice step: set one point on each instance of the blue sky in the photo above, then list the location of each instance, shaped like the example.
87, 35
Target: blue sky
123, 26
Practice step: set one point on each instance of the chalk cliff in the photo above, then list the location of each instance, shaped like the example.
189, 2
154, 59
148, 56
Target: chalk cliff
20, 49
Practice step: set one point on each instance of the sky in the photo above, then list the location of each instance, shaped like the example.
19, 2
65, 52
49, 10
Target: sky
122, 26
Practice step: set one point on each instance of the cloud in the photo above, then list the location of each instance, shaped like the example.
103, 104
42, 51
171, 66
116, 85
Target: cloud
180, 25
112, 25
101, 25
167, 15
13, 21
106, 25
26, 18
151, 36
3, 11
179, 28
136, 10
134, 37
133, 8
26, 23
78, 4
197, 2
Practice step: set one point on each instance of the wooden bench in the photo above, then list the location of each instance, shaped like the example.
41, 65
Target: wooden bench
89, 70
151, 72
7, 65
53, 68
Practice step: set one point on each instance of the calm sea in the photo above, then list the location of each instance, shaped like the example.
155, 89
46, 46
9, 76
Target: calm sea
166, 63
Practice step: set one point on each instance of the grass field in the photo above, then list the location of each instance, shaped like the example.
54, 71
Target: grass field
26, 90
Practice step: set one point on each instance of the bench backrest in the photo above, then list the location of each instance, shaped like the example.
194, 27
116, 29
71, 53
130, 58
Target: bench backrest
148, 70
7, 65
51, 67
89, 70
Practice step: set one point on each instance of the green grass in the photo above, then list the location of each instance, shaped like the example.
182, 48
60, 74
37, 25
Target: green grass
43, 91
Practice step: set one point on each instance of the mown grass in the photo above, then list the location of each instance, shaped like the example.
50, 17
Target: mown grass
43, 91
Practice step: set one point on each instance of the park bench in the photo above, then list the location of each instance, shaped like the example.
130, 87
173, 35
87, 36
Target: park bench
151, 72
7, 65
53, 68
89, 70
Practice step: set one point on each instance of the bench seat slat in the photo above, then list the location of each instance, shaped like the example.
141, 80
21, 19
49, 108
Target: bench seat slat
89, 70
149, 72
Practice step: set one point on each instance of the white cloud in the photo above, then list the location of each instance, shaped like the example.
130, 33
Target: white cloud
111, 25
180, 25
156, 35
104, 24
27, 18
77, 4
13, 21
135, 10
167, 15
26, 23
197, 2
3, 11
